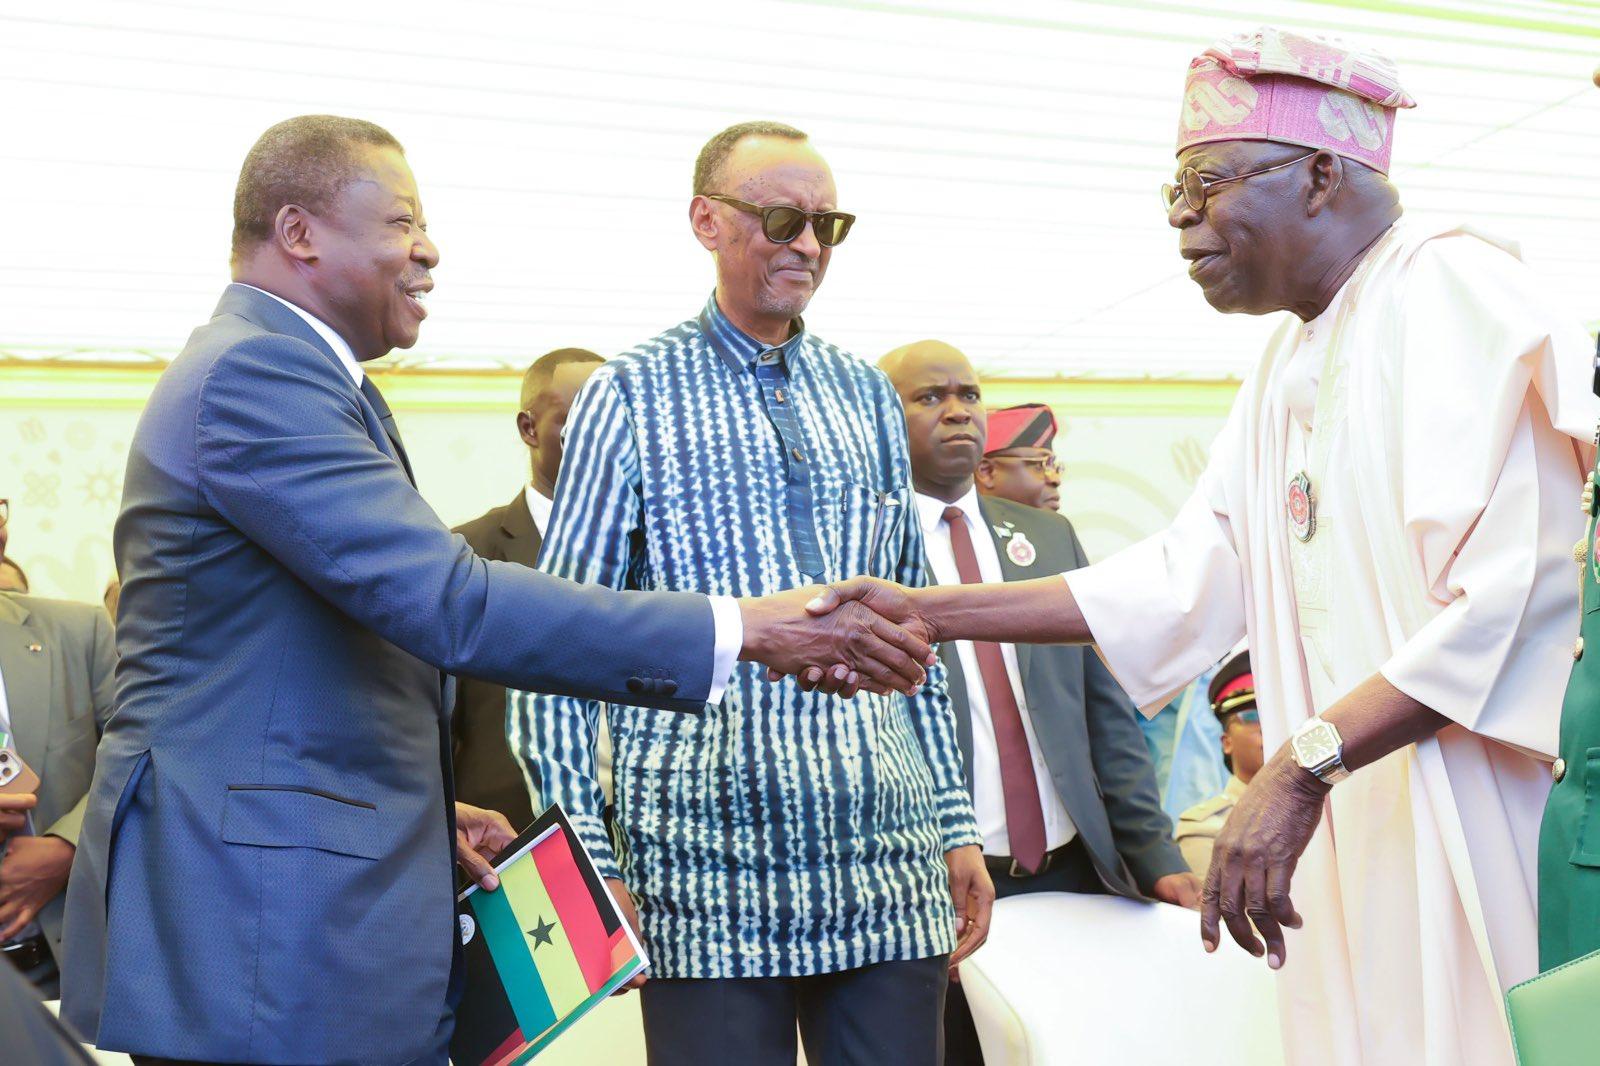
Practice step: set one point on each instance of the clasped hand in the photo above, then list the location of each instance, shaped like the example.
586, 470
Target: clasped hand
858, 634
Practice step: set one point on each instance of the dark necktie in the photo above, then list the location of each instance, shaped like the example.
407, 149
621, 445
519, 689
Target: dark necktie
386, 417
1024, 812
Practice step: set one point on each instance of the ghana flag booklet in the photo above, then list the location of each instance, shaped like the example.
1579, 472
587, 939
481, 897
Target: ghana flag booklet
542, 950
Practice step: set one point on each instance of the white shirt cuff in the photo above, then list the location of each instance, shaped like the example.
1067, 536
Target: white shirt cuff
729, 623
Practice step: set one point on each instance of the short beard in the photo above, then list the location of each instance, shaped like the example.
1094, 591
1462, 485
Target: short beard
777, 307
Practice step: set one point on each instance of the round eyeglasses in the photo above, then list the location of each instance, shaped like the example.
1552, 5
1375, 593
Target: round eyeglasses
1193, 188
1045, 464
782, 223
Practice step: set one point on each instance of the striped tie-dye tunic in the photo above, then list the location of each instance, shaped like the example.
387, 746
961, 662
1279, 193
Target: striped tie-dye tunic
779, 833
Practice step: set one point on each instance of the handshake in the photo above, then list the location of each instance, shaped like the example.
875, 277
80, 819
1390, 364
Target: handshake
864, 633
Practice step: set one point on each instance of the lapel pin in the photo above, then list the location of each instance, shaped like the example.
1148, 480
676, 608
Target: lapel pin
1020, 549
36, 647
1002, 532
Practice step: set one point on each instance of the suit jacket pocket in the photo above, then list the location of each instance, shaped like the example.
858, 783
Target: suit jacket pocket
293, 816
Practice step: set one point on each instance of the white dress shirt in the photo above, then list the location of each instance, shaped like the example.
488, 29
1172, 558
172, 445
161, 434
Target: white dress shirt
728, 622
30, 930
5, 711
988, 795
5, 731
539, 506
347, 357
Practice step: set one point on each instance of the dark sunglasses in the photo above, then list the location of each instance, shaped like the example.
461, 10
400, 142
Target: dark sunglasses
1249, 717
1193, 188
782, 223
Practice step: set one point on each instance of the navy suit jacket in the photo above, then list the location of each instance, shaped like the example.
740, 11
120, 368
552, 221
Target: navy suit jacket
266, 868
1085, 723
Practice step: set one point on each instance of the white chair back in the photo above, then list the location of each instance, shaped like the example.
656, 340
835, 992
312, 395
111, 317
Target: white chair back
1105, 981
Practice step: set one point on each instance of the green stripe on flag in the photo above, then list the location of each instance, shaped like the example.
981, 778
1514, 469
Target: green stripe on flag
524, 888
497, 922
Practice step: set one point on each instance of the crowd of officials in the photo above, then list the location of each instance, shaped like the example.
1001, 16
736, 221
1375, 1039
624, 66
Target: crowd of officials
1086, 758
800, 642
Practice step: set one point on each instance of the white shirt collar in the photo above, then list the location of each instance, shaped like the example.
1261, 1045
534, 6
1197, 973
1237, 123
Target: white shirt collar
347, 358
931, 510
539, 506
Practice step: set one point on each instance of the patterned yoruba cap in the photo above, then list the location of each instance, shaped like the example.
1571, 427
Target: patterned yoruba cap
1027, 425
1274, 85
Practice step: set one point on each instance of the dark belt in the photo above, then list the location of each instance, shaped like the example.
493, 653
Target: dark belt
27, 954
1003, 865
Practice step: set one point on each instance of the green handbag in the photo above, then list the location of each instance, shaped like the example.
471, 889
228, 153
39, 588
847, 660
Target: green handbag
1554, 1017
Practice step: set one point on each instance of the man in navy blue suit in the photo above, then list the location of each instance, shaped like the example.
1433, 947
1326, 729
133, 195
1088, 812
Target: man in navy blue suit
265, 868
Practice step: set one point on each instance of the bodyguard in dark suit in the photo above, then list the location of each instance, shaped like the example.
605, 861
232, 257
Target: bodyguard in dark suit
56, 688
1062, 782
265, 869
486, 774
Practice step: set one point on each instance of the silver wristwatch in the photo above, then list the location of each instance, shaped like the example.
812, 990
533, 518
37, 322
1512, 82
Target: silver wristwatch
1319, 748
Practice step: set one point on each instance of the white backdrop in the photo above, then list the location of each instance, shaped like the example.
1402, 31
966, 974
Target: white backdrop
1003, 156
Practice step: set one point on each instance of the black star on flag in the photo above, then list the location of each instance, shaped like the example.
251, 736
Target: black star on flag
541, 933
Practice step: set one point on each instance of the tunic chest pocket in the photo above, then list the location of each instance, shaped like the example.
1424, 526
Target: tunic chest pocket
866, 525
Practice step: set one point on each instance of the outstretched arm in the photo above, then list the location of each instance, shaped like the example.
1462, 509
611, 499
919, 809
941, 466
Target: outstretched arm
1041, 611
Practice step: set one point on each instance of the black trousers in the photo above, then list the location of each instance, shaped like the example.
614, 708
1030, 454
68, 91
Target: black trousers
884, 1015
45, 977
1073, 871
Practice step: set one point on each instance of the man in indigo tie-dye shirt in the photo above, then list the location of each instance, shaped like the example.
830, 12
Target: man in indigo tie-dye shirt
794, 856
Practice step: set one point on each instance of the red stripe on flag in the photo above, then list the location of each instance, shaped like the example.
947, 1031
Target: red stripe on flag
575, 909
622, 951
507, 1051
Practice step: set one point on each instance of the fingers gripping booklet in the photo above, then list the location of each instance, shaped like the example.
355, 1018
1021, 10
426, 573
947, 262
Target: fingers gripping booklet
541, 951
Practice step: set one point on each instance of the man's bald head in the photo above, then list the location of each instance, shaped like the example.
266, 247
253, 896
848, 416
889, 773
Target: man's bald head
945, 419
913, 357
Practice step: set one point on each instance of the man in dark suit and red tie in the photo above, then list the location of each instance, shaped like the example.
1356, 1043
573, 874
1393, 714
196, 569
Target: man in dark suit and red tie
486, 774
265, 872
1060, 775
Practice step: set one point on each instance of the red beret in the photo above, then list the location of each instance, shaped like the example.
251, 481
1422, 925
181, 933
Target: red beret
1027, 425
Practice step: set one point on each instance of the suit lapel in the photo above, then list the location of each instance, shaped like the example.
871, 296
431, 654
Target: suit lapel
28, 676
266, 312
519, 537
956, 682
1009, 571
269, 314
380, 407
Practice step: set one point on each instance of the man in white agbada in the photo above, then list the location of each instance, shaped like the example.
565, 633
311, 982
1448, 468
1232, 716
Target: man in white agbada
1388, 515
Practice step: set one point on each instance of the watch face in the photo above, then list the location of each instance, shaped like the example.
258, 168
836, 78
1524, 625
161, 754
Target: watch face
1315, 746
